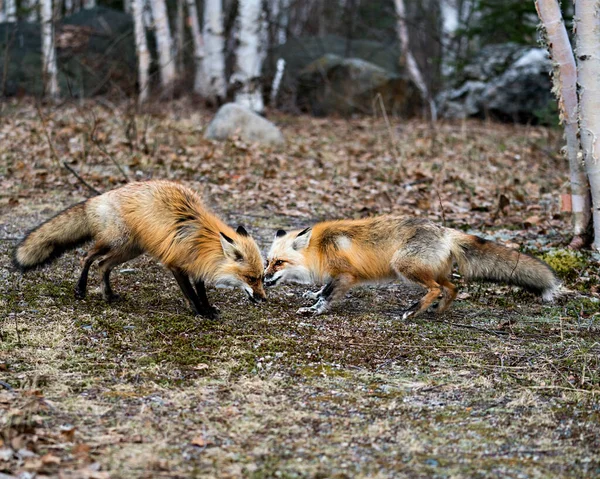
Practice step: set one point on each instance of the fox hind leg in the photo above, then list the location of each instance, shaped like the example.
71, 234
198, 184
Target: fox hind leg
423, 275
112, 259
450, 292
96, 251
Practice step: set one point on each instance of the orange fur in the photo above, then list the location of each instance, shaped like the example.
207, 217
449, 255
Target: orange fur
161, 218
381, 248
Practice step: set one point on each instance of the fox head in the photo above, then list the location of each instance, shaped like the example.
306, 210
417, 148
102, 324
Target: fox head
286, 260
243, 265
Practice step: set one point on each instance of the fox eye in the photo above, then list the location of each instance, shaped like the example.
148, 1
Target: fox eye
278, 262
253, 279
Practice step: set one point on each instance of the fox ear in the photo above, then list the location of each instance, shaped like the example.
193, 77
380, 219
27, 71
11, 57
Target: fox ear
302, 239
241, 231
230, 250
280, 233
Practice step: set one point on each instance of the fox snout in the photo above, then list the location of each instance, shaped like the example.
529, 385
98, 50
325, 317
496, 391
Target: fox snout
270, 280
257, 297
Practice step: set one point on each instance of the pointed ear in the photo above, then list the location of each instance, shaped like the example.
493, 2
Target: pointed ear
302, 239
230, 250
280, 233
241, 231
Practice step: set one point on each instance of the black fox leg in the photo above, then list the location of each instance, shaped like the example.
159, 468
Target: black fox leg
333, 290
108, 263
188, 292
212, 312
95, 252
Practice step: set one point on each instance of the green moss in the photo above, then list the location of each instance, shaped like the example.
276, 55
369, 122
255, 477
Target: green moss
567, 263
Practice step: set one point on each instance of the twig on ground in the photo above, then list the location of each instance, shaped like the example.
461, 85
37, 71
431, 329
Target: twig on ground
47, 135
85, 183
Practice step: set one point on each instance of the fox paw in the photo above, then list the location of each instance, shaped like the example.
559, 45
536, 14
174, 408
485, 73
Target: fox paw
79, 293
311, 295
213, 313
111, 298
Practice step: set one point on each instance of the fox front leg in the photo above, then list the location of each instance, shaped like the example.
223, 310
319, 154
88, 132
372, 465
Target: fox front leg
314, 295
329, 294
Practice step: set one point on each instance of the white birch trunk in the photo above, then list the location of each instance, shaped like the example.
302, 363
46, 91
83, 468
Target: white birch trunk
199, 79
281, 16
587, 13
89, 4
214, 88
49, 68
148, 23
411, 63
250, 55
11, 11
565, 86
141, 46
68, 7
162, 31
127, 6
280, 68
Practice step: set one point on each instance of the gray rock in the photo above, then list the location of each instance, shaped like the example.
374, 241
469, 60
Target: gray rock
508, 82
233, 119
333, 84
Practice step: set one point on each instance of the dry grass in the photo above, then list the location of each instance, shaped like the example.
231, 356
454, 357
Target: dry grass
502, 385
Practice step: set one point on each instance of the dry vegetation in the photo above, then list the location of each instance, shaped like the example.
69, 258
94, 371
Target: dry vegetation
500, 386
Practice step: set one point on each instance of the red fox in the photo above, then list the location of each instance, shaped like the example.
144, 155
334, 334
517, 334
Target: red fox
161, 218
348, 252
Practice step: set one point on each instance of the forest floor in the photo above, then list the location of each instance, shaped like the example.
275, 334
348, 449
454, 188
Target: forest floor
500, 386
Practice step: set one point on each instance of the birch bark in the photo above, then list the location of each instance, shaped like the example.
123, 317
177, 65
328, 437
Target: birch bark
214, 89
199, 79
49, 68
587, 13
250, 55
411, 63
565, 87
162, 31
141, 46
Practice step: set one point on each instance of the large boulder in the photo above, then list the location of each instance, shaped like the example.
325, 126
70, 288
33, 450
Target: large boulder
334, 84
236, 120
506, 81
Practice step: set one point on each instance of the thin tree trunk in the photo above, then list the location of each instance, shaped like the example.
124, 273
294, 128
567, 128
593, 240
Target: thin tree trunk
450, 22
11, 11
141, 46
588, 77
280, 68
163, 43
179, 36
127, 6
2, 14
250, 55
89, 4
199, 79
50, 70
411, 64
214, 88
565, 86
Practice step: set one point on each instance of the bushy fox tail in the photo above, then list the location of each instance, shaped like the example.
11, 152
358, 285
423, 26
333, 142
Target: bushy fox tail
63, 232
478, 258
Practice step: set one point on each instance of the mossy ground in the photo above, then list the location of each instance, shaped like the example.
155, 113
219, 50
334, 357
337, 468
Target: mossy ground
500, 386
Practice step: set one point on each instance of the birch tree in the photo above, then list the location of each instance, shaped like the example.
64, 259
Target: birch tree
214, 88
179, 35
565, 86
199, 78
141, 46
587, 13
162, 31
250, 55
411, 64
49, 68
